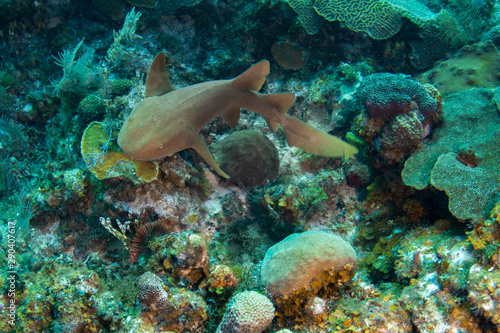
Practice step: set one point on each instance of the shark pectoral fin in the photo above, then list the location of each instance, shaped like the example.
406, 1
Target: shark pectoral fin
201, 147
281, 102
157, 82
272, 124
232, 117
301, 135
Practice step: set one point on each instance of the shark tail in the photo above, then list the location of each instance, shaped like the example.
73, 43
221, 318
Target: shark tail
301, 135
254, 77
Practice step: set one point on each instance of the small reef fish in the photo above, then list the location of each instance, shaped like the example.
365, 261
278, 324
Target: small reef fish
168, 121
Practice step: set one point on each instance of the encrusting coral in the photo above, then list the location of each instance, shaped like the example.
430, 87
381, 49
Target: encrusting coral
437, 165
474, 66
104, 158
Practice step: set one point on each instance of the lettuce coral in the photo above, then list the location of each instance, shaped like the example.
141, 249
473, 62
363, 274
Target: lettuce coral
105, 159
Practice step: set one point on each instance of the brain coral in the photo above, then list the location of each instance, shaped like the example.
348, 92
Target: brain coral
388, 95
401, 113
247, 312
469, 117
380, 19
248, 157
405, 130
150, 292
475, 66
294, 262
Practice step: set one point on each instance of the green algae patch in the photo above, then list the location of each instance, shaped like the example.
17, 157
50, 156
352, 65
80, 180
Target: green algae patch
105, 159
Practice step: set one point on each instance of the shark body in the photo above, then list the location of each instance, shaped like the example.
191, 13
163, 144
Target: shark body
169, 121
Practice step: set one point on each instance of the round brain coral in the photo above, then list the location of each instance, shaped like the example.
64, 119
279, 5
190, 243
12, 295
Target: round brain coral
247, 312
248, 157
293, 263
150, 292
388, 95
400, 114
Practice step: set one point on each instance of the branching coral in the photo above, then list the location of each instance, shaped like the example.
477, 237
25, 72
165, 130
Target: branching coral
77, 72
126, 34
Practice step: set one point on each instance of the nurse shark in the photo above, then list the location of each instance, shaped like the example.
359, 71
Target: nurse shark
168, 121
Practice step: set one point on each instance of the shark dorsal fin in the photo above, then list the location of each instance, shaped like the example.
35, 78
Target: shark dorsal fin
157, 82
254, 77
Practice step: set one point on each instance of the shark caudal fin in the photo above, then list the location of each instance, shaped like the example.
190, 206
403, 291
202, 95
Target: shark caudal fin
301, 135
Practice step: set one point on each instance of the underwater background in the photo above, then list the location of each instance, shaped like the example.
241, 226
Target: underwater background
402, 237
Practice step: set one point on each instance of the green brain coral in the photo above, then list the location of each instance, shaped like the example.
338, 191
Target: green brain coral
379, 19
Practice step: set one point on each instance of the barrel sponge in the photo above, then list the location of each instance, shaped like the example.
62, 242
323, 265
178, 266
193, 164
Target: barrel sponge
387, 95
247, 312
294, 262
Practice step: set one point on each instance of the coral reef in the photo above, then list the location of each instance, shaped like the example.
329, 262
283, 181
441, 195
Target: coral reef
79, 231
249, 312
437, 165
